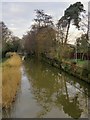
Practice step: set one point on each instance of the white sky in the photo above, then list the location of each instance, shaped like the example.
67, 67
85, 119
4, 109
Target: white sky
18, 15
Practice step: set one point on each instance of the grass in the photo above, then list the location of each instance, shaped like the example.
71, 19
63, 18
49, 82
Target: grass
0, 85
82, 63
79, 62
11, 76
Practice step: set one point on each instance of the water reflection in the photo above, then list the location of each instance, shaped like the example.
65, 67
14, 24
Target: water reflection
47, 92
54, 89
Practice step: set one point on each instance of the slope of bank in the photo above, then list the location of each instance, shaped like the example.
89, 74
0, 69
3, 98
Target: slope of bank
70, 67
11, 76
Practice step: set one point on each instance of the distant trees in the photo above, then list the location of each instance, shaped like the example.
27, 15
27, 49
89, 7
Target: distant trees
16, 44
29, 41
45, 32
6, 37
0, 40
9, 42
44, 38
71, 14
41, 36
43, 19
82, 45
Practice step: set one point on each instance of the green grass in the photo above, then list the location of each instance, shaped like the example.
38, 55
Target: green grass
79, 62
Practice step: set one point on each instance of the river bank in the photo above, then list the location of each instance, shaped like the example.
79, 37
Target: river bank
37, 99
70, 67
11, 76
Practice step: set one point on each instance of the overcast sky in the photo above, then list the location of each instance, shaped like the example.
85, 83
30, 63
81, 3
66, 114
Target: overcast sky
18, 16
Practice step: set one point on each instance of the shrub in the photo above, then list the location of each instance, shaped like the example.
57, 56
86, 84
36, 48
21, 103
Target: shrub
85, 70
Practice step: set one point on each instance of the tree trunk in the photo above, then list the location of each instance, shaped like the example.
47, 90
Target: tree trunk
76, 55
83, 56
67, 32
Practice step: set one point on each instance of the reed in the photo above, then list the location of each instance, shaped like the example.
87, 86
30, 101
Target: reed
11, 76
0, 84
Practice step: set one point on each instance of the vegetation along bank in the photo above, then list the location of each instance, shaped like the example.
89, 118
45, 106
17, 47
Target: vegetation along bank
11, 78
78, 69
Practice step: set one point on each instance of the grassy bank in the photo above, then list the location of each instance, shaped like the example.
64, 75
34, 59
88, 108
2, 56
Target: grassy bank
0, 84
78, 69
11, 76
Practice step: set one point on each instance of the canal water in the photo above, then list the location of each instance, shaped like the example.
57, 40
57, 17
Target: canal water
47, 92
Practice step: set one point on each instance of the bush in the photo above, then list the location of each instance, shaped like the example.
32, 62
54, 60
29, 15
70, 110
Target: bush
89, 77
85, 70
66, 66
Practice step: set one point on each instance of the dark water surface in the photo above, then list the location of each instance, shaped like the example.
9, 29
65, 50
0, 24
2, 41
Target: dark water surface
47, 92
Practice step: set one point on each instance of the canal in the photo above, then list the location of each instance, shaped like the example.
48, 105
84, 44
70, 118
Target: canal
47, 92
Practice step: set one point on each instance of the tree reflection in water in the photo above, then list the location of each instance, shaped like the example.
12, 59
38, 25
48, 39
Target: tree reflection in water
53, 88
